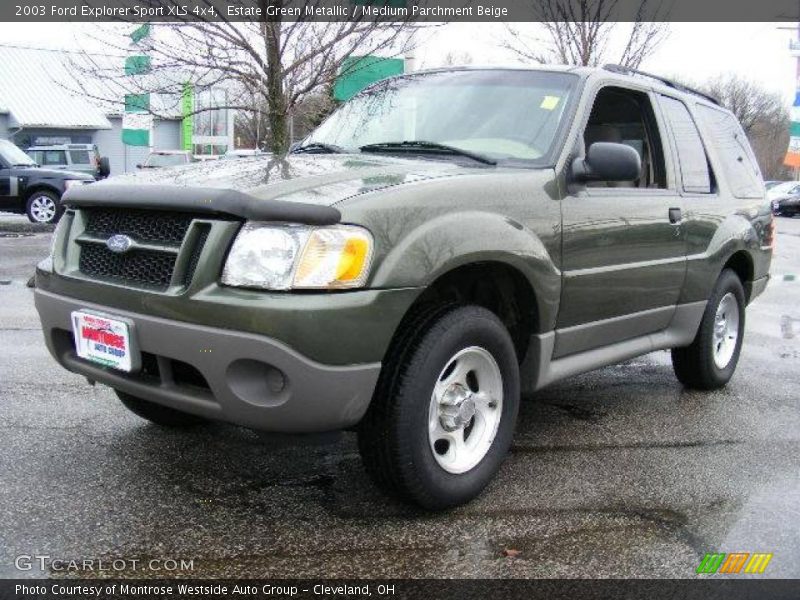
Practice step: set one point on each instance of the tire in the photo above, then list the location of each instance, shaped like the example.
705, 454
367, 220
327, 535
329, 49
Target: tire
155, 413
704, 365
465, 357
43, 207
103, 167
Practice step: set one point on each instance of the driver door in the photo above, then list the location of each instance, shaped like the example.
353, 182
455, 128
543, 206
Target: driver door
624, 250
9, 188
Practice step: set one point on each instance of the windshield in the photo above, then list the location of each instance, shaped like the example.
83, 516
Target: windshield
166, 160
13, 155
500, 114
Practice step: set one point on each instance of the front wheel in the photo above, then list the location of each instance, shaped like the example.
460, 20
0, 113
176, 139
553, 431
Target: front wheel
711, 359
43, 207
444, 411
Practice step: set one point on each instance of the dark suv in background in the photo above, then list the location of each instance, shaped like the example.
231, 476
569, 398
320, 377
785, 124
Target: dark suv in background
26, 187
443, 242
77, 158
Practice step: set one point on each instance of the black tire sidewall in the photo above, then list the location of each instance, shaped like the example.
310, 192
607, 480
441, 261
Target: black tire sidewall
459, 329
728, 283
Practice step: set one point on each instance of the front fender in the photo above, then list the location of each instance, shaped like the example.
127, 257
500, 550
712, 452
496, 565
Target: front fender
448, 241
39, 185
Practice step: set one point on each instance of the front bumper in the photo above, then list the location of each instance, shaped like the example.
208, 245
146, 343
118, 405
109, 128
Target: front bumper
239, 377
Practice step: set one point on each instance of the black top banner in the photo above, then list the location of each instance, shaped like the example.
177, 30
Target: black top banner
397, 10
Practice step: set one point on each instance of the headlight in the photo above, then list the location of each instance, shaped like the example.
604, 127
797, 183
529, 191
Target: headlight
282, 257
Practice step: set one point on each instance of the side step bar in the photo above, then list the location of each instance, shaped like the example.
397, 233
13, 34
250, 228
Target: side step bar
540, 369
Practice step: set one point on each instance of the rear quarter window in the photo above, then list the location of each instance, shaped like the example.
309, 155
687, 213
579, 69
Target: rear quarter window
54, 157
730, 143
79, 157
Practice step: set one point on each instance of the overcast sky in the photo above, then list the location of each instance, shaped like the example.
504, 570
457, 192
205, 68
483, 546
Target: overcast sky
694, 51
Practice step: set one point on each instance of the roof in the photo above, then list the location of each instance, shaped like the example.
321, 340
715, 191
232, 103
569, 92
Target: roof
30, 94
622, 72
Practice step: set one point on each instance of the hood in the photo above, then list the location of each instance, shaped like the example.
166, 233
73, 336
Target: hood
321, 179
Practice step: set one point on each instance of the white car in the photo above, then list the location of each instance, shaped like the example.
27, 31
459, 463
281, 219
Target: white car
242, 153
787, 188
158, 159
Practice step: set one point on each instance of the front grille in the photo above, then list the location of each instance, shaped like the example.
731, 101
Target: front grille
152, 267
145, 267
195, 257
163, 227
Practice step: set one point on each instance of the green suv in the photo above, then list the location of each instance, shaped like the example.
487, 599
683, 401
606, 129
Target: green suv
444, 243
79, 158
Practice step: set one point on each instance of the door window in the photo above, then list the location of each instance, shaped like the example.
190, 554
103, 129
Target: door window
626, 117
692, 159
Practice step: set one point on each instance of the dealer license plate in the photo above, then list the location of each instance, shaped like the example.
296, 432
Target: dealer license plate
104, 340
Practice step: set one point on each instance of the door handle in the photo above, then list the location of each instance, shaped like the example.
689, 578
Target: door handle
675, 215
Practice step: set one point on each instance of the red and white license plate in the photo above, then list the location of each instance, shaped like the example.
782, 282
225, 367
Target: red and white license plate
103, 340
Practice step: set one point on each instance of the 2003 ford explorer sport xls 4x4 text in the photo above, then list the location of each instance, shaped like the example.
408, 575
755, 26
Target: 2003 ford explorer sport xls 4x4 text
444, 242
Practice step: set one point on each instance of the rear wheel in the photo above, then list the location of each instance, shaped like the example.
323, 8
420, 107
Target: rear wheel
43, 207
443, 415
158, 414
711, 359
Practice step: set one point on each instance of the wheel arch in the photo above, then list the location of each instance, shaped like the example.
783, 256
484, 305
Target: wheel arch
741, 263
495, 285
40, 187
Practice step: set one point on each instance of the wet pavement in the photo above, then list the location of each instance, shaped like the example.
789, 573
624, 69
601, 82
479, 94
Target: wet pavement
616, 473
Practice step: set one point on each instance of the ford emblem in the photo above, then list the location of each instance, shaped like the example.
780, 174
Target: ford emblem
119, 243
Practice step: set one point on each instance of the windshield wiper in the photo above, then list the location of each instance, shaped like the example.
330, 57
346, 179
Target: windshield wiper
318, 148
422, 146
30, 164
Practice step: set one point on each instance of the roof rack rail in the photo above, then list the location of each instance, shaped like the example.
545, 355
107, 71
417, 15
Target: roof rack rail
673, 84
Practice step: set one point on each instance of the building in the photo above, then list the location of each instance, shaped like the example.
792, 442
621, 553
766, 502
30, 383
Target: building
37, 107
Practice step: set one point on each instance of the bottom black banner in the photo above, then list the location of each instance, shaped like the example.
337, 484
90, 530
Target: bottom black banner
428, 589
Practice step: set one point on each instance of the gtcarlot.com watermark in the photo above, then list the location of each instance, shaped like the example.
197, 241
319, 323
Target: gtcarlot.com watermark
45, 562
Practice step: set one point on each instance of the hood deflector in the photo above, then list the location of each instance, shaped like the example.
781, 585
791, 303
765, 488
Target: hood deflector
199, 200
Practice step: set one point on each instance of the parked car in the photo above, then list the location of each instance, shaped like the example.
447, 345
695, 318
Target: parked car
78, 158
29, 189
540, 224
159, 159
783, 189
242, 153
787, 206
771, 184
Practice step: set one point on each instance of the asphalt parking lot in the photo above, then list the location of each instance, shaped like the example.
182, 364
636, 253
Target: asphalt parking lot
616, 473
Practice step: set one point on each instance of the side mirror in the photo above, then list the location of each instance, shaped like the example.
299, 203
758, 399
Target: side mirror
607, 161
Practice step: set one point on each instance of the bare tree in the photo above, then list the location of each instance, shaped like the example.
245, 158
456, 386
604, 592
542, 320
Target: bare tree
268, 67
251, 127
579, 32
457, 59
764, 117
